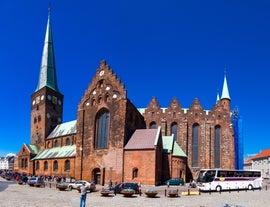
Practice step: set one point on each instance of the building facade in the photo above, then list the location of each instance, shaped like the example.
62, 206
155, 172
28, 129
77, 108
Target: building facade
112, 140
261, 162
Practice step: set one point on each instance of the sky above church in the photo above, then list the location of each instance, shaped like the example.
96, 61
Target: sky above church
158, 48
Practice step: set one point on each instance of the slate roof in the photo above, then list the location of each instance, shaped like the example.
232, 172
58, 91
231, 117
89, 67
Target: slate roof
171, 146
63, 129
262, 154
177, 150
57, 152
167, 142
143, 139
33, 149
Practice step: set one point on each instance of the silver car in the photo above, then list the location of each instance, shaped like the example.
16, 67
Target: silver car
90, 186
36, 181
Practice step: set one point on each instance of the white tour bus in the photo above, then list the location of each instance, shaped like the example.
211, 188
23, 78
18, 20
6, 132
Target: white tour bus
220, 179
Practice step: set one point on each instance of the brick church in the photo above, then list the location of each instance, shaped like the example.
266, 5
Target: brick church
112, 140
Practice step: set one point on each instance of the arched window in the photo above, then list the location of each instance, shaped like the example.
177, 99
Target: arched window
26, 163
67, 165
174, 130
45, 166
102, 132
22, 163
153, 125
217, 146
37, 165
56, 143
48, 144
67, 141
134, 173
55, 166
195, 145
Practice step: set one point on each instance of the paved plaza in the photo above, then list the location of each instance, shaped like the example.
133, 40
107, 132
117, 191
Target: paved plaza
15, 195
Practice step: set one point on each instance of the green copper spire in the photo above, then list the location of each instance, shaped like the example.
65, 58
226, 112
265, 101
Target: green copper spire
47, 76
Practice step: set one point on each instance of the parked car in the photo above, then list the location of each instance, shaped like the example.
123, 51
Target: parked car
126, 185
175, 181
35, 181
90, 186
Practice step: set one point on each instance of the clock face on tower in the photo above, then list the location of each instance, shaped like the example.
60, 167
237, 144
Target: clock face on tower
101, 73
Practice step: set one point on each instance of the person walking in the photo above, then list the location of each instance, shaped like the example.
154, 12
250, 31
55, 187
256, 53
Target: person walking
83, 195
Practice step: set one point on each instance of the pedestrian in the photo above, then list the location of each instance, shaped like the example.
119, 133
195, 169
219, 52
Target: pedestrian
83, 195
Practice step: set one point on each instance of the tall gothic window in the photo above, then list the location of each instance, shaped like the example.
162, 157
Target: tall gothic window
152, 125
217, 146
102, 133
37, 165
55, 166
67, 165
45, 166
26, 163
195, 145
174, 130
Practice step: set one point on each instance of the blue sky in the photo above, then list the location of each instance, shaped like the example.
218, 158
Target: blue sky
166, 49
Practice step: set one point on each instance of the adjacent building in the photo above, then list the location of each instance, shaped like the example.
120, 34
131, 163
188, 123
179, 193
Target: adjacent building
7, 162
261, 161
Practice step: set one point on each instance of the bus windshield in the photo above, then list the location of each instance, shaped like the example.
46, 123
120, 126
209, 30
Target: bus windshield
206, 176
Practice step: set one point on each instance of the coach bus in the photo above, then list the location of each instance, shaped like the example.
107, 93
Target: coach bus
220, 179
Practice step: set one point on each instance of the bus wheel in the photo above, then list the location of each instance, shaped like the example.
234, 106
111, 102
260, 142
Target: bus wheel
218, 188
250, 187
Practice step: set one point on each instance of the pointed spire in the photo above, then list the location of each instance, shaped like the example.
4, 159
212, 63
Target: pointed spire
218, 98
225, 90
47, 76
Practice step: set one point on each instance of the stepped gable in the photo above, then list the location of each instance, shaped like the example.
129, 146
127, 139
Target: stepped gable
174, 110
105, 85
153, 113
196, 110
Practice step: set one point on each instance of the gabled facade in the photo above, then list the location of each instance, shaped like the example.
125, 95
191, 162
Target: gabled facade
26, 154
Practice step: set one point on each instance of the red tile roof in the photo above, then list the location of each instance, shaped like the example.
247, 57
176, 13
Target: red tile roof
262, 154
143, 139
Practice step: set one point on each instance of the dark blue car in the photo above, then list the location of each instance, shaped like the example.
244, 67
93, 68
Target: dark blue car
175, 181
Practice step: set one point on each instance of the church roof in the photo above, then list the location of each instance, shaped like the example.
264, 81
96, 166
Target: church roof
143, 139
33, 149
47, 75
63, 129
170, 145
57, 152
167, 142
177, 150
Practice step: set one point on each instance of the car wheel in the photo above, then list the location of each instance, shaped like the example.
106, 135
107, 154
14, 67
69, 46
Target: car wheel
70, 187
250, 187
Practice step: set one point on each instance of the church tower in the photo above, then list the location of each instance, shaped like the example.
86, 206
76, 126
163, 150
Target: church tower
46, 101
